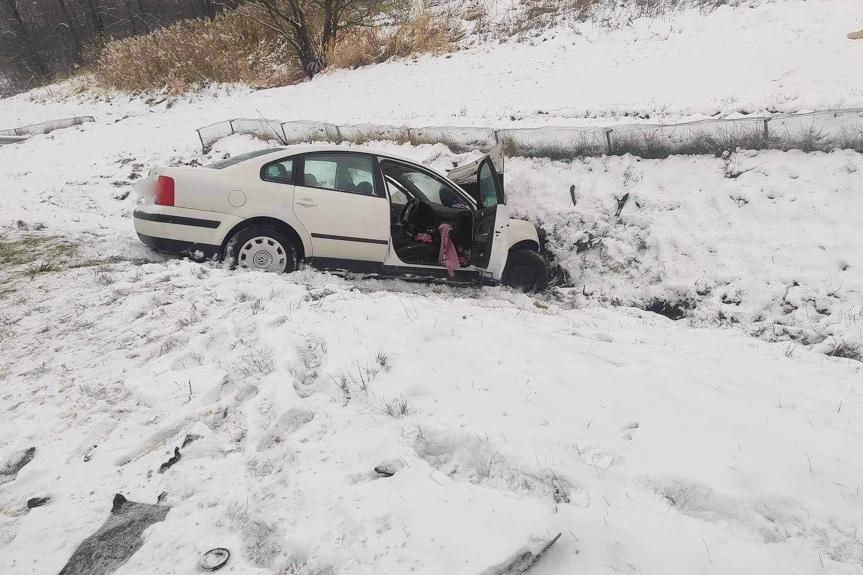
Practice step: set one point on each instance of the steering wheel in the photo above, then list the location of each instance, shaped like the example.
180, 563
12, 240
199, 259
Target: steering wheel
408, 212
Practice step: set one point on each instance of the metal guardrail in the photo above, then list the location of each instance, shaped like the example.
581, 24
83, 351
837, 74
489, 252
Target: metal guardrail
823, 124
45, 127
12, 139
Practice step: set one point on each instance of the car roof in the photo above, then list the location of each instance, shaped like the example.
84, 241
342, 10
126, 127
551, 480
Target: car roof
285, 151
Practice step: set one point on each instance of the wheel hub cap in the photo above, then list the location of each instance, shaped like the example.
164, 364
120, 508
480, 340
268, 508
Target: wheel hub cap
263, 253
262, 259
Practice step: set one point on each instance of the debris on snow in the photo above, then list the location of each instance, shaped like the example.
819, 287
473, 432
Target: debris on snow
10, 471
171, 462
215, 559
524, 558
117, 540
390, 468
34, 502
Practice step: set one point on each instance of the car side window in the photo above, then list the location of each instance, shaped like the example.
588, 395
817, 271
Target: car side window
339, 172
280, 171
398, 196
435, 190
487, 187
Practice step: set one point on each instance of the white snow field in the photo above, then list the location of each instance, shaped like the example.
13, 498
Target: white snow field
652, 446
726, 442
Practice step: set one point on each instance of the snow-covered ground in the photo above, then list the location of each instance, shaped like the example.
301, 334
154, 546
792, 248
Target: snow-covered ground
653, 446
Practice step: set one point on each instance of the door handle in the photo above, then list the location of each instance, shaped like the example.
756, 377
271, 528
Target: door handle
307, 202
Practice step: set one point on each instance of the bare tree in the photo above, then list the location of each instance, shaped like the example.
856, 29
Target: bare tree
311, 26
20, 36
40, 39
95, 18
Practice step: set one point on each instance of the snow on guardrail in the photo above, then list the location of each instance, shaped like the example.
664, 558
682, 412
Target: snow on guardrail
815, 130
8, 136
12, 139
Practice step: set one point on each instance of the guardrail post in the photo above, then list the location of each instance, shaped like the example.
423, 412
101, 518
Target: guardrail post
231, 124
201, 138
766, 130
608, 140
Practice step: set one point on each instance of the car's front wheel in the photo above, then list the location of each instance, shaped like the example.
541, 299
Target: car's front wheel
525, 271
262, 248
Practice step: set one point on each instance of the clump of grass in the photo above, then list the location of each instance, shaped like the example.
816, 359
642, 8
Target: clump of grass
31, 248
256, 363
423, 32
34, 269
383, 361
344, 386
167, 346
191, 319
397, 408
103, 278
848, 351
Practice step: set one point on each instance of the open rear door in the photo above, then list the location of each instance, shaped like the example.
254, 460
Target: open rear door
491, 221
466, 175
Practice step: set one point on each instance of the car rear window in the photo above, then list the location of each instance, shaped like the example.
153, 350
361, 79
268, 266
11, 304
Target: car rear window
227, 163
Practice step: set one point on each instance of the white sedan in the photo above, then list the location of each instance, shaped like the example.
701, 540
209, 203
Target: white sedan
342, 209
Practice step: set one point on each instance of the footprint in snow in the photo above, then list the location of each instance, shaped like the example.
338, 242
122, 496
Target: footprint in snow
628, 430
312, 355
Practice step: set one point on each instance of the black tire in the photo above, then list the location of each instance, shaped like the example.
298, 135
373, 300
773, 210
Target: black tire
274, 244
525, 271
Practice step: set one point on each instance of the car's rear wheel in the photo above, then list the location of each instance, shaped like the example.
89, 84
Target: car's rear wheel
262, 248
525, 271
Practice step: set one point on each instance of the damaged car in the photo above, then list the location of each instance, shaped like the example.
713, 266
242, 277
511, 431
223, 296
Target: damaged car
345, 210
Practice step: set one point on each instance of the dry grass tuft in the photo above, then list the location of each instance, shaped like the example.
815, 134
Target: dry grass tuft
424, 32
230, 48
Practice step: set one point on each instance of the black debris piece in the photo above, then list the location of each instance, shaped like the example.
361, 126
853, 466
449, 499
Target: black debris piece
116, 540
168, 464
37, 502
215, 559
389, 468
10, 471
621, 202
190, 438
88, 455
162, 496
525, 559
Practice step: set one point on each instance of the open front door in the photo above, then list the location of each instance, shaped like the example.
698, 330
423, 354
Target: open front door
491, 221
466, 175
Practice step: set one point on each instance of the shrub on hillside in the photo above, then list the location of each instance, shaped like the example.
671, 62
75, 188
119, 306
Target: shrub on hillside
230, 48
423, 32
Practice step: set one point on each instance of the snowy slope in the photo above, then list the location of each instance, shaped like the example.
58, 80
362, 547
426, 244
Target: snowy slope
653, 447
788, 55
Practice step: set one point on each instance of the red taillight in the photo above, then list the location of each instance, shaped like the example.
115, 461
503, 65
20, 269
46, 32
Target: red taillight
165, 191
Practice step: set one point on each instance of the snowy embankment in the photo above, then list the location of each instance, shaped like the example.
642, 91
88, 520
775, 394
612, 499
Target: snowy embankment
769, 240
653, 446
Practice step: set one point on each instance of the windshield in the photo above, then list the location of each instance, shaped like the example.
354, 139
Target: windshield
228, 162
